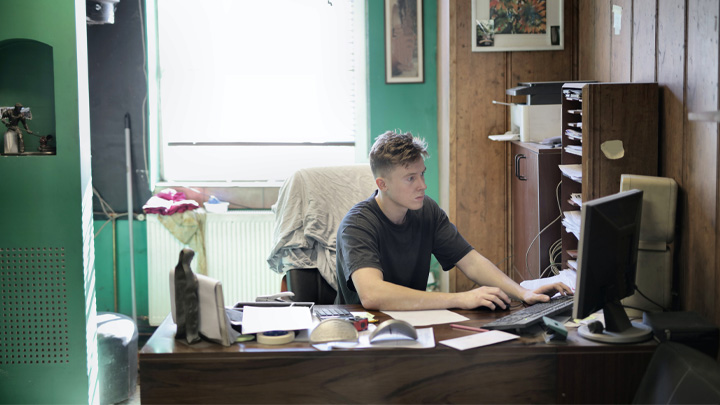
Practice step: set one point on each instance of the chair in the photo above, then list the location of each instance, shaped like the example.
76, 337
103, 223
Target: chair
657, 230
678, 374
311, 204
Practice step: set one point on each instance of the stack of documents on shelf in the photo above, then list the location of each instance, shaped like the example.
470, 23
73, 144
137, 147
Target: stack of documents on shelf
572, 171
573, 134
574, 149
573, 94
571, 222
576, 199
572, 264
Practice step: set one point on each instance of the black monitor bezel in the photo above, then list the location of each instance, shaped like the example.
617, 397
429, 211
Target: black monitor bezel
588, 297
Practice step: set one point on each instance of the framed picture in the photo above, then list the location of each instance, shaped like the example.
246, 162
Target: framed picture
404, 41
517, 25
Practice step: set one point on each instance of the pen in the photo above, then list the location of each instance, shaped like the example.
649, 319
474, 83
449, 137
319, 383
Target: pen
456, 326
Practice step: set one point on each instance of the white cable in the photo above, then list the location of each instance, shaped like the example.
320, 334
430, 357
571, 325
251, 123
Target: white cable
527, 253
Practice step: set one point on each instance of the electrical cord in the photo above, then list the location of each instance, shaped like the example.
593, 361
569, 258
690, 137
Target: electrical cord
555, 259
651, 301
557, 198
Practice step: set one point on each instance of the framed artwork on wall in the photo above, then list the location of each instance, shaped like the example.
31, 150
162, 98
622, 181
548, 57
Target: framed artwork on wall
517, 25
404, 41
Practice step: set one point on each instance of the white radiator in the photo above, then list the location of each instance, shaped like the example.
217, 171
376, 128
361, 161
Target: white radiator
237, 244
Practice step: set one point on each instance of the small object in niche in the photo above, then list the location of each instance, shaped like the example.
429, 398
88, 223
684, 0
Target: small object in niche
12, 117
47, 144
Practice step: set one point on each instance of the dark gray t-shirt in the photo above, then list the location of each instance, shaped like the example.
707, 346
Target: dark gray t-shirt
367, 238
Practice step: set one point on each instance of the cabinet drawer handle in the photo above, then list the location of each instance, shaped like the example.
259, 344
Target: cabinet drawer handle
517, 166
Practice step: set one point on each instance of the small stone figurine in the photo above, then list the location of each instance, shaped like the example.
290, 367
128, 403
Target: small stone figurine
13, 136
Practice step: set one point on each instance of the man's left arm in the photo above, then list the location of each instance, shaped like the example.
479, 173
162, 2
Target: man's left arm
482, 271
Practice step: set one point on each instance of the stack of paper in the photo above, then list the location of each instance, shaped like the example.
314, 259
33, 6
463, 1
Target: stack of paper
571, 221
573, 134
573, 94
574, 149
572, 171
576, 199
572, 264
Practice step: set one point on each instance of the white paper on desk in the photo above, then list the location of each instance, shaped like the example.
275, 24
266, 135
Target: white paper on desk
263, 319
428, 317
479, 339
568, 277
425, 340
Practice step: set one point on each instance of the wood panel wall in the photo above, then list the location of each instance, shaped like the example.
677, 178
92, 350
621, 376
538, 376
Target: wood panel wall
673, 42
479, 167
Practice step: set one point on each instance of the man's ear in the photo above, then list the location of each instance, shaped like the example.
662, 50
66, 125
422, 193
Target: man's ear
381, 183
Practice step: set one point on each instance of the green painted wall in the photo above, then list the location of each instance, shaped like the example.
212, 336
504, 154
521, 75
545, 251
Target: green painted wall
48, 347
407, 107
106, 294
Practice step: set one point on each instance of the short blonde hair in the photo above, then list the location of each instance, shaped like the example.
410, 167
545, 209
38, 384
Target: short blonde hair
393, 149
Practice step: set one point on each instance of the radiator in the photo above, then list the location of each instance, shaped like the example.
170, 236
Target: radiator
237, 244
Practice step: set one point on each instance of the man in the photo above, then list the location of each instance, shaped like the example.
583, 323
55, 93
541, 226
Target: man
384, 244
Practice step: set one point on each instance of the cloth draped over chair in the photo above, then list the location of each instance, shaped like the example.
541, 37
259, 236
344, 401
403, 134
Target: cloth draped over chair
311, 204
189, 228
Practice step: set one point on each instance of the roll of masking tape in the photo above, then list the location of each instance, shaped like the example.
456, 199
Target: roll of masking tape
275, 337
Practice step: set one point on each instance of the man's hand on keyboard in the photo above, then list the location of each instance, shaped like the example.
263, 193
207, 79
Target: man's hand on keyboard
543, 294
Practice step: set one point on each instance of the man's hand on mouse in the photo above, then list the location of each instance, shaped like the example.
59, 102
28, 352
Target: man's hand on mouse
490, 297
543, 293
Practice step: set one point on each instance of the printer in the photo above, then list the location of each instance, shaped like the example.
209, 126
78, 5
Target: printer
540, 116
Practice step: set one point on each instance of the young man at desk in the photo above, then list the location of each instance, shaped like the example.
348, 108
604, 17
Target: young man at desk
384, 244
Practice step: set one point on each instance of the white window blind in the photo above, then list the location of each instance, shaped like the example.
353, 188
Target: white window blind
253, 90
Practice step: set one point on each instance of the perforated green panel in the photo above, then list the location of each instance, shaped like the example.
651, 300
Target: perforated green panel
47, 280
34, 319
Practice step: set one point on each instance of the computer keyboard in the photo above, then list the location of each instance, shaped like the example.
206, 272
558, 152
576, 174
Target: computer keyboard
531, 315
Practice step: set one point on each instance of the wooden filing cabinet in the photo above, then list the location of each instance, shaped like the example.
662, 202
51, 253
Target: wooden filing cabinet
534, 206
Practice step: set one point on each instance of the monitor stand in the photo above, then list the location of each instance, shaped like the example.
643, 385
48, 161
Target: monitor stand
618, 328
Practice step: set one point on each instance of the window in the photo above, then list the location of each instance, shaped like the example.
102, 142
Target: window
253, 90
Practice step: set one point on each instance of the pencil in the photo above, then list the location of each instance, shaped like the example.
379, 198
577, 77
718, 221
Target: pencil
456, 326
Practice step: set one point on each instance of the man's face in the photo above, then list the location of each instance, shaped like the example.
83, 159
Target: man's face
406, 185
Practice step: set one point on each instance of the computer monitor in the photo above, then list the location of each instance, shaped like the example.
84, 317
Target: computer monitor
607, 263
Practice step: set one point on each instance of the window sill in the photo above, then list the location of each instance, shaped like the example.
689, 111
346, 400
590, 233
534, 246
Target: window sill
240, 195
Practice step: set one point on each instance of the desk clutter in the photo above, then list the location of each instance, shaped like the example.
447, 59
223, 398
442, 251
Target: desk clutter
198, 311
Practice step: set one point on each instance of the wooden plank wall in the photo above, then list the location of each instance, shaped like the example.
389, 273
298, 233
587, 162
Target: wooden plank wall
479, 167
673, 42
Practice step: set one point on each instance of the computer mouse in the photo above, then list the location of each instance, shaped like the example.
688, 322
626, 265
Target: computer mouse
334, 330
393, 329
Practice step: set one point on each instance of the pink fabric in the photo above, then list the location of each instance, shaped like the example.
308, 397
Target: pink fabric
168, 202
172, 195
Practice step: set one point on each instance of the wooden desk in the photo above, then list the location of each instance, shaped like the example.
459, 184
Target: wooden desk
521, 371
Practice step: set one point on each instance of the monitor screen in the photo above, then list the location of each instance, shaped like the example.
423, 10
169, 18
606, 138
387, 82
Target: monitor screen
607, 262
